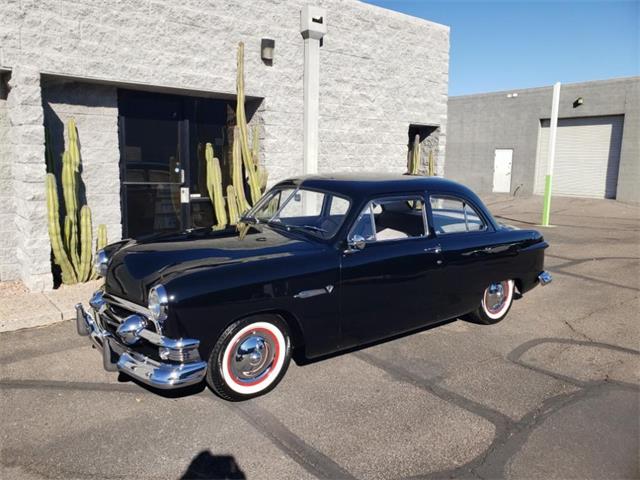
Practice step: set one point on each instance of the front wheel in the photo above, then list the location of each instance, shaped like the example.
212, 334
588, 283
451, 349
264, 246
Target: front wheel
249, 358
495, 304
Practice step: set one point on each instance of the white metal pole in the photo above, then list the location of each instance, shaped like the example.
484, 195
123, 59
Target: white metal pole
551, 157
311, 98
313, 27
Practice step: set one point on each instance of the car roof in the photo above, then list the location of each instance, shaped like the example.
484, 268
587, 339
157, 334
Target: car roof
370, 183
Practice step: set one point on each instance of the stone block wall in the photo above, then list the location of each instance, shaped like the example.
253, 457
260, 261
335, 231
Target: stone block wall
380, 72
8, 261
26, 143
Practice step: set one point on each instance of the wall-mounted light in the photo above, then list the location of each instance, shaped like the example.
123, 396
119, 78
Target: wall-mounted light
266, 50
512, 95
577, 102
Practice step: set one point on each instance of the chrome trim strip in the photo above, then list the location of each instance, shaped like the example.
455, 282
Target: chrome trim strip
174, 344
126, 304
314, 292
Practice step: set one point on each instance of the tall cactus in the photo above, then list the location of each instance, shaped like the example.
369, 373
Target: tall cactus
244, 162
84, 269
414, 157
232, 202
261, 172
57, 245
69, 192
214, 186
71, 248
432, 167
255, 145
238, 180
249, 155
101, 241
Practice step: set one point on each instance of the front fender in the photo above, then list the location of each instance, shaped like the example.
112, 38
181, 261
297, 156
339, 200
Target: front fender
207, 301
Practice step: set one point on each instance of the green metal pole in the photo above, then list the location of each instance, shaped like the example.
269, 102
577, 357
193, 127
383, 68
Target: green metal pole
548, 181
546, 206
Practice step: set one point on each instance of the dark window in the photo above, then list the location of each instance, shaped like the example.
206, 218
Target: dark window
163, 140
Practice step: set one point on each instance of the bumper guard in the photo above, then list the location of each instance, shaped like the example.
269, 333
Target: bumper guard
545, 278
142, 368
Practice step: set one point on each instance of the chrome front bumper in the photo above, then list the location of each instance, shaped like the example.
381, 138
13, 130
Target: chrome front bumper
138, 366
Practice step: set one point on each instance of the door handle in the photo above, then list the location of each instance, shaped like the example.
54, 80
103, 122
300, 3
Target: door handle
436, 249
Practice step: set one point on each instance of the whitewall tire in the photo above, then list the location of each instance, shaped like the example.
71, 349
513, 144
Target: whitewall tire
495, 303
250, 358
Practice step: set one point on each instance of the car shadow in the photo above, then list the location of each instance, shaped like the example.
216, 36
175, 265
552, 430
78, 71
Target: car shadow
207, 465
171, 393
300, 360
298, 357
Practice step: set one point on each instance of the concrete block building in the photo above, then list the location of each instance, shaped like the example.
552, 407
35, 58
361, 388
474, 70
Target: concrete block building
498, 142
150, 81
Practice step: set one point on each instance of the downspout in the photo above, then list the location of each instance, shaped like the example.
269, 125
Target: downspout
313, 27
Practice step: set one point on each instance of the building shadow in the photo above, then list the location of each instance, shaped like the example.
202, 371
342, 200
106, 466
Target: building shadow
209, 466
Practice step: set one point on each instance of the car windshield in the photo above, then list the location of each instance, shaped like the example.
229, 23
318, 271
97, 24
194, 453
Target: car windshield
318, 213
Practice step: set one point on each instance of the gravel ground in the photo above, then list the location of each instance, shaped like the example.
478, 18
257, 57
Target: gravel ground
551, 392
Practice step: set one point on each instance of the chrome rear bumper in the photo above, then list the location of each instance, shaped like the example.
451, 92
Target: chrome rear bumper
545, 278
142, 368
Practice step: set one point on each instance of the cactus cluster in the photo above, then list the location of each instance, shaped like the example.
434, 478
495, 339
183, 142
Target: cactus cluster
414, 157
245, 164
72, 245
431, 168
414, 161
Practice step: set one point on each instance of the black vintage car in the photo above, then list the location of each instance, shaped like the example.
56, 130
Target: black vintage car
328, 263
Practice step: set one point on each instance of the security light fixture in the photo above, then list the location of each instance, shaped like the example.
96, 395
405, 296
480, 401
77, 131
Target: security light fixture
266, 49
577, 102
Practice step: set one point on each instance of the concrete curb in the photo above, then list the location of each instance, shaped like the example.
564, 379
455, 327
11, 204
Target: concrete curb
36, 309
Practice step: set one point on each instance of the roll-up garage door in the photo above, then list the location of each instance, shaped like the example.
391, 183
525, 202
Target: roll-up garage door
587, 156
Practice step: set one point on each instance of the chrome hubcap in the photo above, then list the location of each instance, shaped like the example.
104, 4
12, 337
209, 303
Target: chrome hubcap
495, 296
253, 357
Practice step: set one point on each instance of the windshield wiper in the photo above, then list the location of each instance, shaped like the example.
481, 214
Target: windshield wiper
252, 220
313, 228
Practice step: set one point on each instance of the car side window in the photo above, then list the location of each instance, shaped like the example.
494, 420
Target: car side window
391, 219
454, 215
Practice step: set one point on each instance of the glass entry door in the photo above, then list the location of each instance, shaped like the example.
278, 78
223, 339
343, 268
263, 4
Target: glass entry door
163, 169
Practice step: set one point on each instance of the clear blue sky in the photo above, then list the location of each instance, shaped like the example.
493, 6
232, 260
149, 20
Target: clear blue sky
505, 45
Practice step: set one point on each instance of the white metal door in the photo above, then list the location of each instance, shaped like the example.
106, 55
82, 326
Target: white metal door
587, 156
502, 170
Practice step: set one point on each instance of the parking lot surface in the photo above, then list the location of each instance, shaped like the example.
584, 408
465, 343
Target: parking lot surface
551, 392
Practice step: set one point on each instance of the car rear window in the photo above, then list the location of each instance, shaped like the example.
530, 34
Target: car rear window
454, 215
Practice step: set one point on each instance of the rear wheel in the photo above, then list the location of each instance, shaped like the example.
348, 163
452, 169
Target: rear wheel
250, 358
495, 304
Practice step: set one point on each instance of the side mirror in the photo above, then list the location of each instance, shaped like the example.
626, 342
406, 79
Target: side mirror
357, 242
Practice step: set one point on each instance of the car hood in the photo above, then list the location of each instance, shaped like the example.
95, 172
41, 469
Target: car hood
137, 265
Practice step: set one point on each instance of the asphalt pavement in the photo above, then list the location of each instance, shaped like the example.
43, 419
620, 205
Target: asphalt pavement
550, 392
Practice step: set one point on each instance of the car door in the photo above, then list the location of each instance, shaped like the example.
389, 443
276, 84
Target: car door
471, 252
389, 271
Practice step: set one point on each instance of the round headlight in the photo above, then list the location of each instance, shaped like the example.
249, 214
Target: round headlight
158, 302
100, 263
